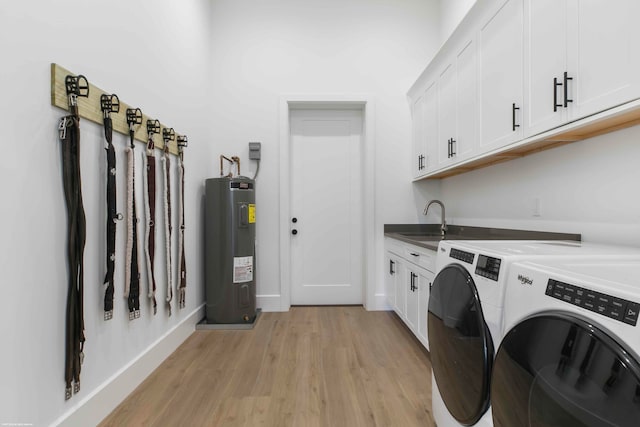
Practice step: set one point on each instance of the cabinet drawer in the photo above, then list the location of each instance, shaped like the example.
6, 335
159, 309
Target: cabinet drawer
420, 256
394, 246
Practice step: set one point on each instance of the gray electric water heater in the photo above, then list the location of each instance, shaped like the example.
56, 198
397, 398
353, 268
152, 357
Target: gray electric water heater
229, 250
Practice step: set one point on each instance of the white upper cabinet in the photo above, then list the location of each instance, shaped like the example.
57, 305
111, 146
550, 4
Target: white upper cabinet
578, 59
425, 132
501, 76
517, 74
431, 126
457, 107
466, 101
545, 62
446, 113
602, 54
418, 159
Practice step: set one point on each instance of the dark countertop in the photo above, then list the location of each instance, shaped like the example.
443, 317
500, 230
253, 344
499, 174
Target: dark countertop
428, 235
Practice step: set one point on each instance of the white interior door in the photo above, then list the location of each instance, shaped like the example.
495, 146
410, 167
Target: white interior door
326, 205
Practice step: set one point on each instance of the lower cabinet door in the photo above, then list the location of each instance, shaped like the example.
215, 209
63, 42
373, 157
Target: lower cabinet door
400, 290
411, 282
391, 274
425, 280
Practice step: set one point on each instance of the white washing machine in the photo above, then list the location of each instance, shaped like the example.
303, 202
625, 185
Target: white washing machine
466, 314
570, 355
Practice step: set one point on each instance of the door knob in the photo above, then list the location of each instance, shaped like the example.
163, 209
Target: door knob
294, 231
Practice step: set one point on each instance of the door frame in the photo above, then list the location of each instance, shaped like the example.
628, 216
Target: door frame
361, 102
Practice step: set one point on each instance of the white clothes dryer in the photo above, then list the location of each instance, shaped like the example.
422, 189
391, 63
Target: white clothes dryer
570, 355
465, 319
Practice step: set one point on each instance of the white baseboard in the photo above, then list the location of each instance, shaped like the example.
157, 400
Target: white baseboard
269, 303
97, 405
380, 303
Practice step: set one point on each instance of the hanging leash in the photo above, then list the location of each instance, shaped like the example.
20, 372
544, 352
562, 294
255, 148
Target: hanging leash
168, 135
153, 127
132, 268
69, 133
110, 104
182, 264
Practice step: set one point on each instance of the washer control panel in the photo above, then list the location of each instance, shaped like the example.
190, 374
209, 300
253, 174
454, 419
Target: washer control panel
462, 255
488, 267
606, 305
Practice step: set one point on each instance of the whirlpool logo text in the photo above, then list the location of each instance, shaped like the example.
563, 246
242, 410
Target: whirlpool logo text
525, 280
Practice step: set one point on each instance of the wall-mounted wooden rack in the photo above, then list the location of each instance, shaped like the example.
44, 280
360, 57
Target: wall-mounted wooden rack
89, 108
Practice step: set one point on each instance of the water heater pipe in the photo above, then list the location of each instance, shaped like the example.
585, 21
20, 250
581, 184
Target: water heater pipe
233, 160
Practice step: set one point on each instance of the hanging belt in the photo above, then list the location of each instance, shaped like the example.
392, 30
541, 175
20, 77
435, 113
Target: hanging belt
69, 132
153, 127
132, 269
182, 263
110, 104
168, 135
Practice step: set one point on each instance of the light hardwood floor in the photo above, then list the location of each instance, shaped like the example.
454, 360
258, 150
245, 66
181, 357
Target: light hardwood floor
311, 366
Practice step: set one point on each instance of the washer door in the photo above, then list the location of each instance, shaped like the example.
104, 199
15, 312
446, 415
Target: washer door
557, 369
461, 346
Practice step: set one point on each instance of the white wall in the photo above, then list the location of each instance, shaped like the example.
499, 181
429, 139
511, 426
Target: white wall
269, 49
587, 187
153, 54
451, 13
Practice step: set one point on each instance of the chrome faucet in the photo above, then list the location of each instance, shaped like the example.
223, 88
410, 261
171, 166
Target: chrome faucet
443, 225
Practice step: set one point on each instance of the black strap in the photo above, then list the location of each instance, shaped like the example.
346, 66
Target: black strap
76, 228
69, 128
182, 266
109, 104
134, 117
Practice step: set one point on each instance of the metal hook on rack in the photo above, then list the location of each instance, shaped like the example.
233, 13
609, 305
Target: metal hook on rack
153, 127
134, 117
109, 104
168, 135
182, 144
76, 86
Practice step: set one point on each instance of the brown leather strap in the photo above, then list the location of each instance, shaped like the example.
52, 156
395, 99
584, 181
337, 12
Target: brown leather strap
151, 224
76, 237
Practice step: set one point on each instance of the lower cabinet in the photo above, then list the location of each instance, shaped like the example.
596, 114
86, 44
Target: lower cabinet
408, 280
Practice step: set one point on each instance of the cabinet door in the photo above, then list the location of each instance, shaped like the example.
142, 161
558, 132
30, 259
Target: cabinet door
545, 60
412, 286
425, 280
446, 113
457, 107
602, 54
466, 130
501, 76
391, 273
431, 127
401, 290
417, 137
